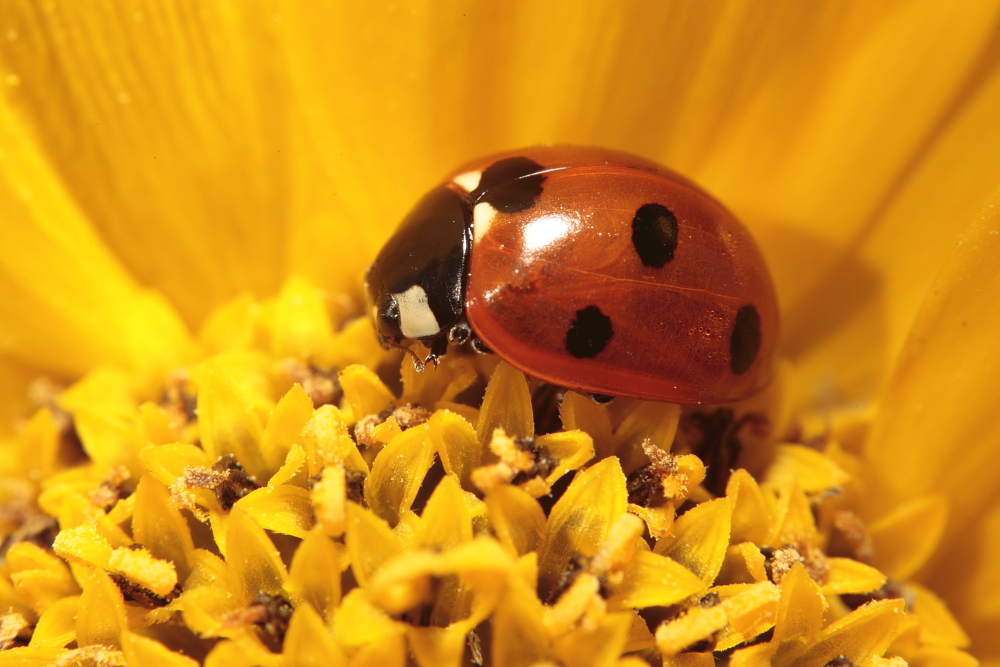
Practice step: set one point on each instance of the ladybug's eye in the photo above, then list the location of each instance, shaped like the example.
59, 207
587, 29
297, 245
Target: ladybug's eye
387, 312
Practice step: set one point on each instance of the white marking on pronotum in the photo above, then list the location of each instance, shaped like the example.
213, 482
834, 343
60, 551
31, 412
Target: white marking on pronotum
468, 181
416, 319
482, 217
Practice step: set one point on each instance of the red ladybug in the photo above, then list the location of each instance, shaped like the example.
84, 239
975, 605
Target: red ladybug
590, 269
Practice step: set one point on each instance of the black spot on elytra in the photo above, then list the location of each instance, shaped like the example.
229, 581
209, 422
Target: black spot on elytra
654, 235
589, 332
510, 185
745, 340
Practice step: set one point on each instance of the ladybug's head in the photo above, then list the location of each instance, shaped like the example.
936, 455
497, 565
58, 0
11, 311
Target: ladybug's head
416, 284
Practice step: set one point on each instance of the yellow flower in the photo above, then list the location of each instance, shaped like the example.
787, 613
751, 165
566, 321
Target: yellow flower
206, 458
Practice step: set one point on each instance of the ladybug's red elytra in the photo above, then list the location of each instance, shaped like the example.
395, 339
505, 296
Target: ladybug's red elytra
591, 269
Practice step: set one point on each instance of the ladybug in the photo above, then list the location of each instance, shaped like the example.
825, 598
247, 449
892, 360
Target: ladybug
591, 269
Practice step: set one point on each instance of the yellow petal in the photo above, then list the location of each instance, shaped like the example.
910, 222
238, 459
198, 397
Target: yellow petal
326, 442
912, 447
228, 654
370, 542
446, 520
83, 544
701, 537
228, 420
793, 520
692, 627
162, 115
907, 536
233, 325
799, 617
30, 656
693, 659
863, 634
386, 431
292, 470
141, 650
866, 280
404, 582
750, 610
444, 380
579, 604
156, 424
659, 520
365, 392
456, 443
940, 656
308, 642
744, 564
65, 295
156, 339
937, 625
57, 625
315, 572
506, 405
397, 473
329, 496
598, 646
656, 422
437, 647
39, 438
286, 423
209, 593
168, 462
101, 616
300, 327
139, 566
388, 651
252, 558
654, 580
517, 519
814, 471
578, 522
570, 448
481, 562
160, 527
357, 343
358, 622
751, 520
518, 633
850, 576
580, 412
640, 638
39, 577
283, 509
103, 409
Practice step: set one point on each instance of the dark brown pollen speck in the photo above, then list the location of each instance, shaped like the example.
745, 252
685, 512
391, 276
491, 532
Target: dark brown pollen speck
271, 615
544, 463
142, 596
236, 483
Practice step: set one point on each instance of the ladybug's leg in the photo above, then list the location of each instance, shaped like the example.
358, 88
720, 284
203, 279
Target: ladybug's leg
460, 333
418, 363
438, 348
479, 346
